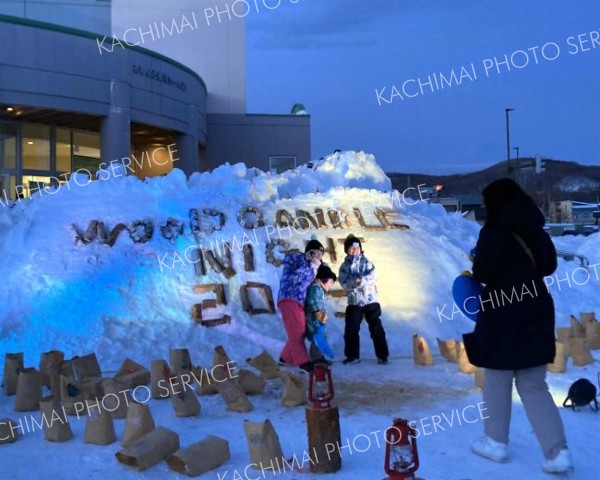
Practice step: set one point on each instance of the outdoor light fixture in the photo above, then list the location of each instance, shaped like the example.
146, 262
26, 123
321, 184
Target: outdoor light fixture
29, 142
320, 386
9, 109
401, 456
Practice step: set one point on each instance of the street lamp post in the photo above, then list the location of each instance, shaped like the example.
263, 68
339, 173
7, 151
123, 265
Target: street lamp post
506, 110
517, 149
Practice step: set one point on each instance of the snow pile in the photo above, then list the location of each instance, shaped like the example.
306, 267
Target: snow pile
103, 298
78, 297
135, 300
341, 169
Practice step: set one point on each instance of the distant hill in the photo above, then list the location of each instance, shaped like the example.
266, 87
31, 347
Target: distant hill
560, 181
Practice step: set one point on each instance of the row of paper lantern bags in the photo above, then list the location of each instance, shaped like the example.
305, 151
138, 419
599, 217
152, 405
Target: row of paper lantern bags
575, 341
77, 387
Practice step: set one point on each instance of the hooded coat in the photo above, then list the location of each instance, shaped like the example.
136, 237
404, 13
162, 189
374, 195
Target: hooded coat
515, 324
359, 267
296, 278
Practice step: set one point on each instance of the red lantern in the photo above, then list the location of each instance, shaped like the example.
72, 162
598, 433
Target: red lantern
320, 386
401, 456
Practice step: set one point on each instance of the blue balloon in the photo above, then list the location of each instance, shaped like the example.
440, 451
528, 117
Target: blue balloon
467, 293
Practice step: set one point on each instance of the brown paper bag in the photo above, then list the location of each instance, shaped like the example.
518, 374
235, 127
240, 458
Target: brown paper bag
592, 335
115, 397
580, 353
577, 326
564, 336
56, 424
138, 423
204, 381
559, 365
99, 425
266, 364
230, 389
74, 394
448, 349
92, 386
160, 373
55, 384
250, 382
294, 390
50, 366
9, 432
479, 377
200, 457
29, 390
86, 366
184, 399
421, 352
66, 368
150, 449
587, 317
71, 395
220, 357
13, 362
180, 360
464, 365
132, 374
263, 443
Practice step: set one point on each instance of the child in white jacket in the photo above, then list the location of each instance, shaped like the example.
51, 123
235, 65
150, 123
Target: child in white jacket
357, 277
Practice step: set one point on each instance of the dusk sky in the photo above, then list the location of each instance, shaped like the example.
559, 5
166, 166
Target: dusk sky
334, 56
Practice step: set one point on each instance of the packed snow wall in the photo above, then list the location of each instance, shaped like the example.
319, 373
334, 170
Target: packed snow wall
130, 267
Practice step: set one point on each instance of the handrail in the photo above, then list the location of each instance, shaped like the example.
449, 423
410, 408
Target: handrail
570, 256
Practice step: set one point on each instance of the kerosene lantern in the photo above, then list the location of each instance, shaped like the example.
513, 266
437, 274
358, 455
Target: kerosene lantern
401, 456
320, 386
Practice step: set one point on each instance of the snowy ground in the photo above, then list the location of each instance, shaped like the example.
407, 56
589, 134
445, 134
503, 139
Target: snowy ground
368, 397
122, 301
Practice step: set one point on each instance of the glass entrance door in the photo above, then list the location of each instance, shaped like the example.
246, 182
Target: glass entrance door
8, 161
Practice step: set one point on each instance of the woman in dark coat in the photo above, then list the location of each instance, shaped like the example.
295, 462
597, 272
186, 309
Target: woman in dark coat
514, 333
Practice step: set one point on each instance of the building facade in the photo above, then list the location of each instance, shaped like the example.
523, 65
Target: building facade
577, 213
151, 85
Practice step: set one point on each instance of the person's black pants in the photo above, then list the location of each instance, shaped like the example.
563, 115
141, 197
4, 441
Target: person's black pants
354, 316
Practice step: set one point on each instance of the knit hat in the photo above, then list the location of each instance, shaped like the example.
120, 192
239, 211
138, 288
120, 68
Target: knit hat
324, 273
314, 244
350, 240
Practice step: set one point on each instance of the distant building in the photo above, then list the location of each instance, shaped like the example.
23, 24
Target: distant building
572, 217
577, 213
169, 86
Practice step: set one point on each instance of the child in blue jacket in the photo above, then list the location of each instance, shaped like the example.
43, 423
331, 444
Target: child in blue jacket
315, 309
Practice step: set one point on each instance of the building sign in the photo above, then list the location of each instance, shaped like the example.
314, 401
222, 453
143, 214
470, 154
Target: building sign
159, 76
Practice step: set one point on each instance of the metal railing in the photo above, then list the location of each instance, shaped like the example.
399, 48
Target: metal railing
571, 256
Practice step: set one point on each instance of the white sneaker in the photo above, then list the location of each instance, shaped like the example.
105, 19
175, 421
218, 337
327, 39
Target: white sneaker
559, 464
488, 448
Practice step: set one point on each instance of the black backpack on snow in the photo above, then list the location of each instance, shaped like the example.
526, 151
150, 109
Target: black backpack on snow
582, 393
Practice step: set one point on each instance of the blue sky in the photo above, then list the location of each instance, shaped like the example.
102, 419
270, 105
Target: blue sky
334, 55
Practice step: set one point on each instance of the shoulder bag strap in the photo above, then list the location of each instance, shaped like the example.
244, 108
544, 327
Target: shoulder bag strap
526, 248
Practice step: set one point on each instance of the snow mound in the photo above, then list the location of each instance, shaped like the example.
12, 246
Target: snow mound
341, 169
136, 298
